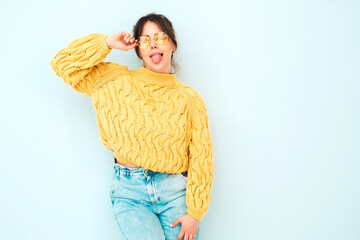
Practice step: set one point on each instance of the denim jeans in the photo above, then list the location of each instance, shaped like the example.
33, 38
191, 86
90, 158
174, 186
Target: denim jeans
145, 203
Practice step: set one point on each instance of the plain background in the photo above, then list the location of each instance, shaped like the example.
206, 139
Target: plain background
281, 84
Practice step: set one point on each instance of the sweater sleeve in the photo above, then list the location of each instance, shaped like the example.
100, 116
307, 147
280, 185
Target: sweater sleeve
80, 63
201, 166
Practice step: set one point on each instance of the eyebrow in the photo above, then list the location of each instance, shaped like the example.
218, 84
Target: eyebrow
148, 35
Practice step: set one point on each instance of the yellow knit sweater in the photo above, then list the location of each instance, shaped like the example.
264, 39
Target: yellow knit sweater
146, 118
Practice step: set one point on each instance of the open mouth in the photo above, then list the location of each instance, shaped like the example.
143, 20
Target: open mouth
157, 54
156, 57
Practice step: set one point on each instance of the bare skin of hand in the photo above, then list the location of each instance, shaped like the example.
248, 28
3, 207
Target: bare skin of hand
189, 227
121, 41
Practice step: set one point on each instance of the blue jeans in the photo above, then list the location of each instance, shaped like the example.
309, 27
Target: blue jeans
145, 203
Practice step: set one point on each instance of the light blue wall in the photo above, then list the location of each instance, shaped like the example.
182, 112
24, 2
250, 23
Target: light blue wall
281, 81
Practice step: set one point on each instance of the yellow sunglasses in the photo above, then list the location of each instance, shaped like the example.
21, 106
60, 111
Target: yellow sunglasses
160, 38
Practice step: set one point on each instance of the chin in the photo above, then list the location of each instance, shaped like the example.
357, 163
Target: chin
157, 67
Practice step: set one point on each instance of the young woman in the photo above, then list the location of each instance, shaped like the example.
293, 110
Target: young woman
156, 126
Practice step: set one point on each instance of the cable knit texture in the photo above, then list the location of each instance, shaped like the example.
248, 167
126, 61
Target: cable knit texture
146, 118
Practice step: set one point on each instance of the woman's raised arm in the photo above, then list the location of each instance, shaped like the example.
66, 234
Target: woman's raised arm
81, 64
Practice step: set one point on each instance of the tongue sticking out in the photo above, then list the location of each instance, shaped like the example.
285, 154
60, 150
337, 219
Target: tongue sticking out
156, 58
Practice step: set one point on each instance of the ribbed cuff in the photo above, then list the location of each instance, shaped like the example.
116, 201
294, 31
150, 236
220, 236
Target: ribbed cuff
100, 38
197, 214
103, 37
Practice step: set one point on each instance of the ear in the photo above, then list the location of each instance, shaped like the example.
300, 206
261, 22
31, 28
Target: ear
173, 46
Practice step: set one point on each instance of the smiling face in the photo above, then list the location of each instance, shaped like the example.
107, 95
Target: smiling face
156, 63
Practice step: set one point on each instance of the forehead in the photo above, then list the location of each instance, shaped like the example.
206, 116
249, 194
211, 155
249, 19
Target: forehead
150, 28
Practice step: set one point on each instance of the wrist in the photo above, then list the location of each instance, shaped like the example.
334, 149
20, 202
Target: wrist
107, 43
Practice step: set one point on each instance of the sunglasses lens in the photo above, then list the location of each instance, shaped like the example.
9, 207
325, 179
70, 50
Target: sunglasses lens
161, 38
144, 42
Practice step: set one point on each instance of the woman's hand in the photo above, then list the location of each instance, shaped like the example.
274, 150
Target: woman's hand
189, 227
121, 41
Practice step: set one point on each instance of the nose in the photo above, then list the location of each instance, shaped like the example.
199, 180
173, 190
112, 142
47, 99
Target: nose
153, 43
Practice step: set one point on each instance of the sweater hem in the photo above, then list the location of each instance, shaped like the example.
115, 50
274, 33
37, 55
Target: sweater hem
120, 159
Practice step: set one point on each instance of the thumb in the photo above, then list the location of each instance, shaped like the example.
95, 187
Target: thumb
175, 223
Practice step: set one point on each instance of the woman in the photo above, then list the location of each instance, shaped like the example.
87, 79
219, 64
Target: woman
156, 126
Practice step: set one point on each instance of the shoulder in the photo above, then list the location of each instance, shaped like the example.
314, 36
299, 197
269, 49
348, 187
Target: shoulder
195, 96
110, 71
114, 67
198, 109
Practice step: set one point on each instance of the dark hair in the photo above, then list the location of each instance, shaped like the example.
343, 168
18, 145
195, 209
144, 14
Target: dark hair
165, 25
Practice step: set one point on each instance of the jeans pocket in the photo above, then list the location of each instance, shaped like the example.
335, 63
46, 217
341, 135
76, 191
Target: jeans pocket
114, 183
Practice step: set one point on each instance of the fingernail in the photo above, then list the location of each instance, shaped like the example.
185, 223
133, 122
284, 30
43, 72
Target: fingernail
170, 225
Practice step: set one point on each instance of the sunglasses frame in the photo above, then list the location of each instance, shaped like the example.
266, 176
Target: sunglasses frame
147, 43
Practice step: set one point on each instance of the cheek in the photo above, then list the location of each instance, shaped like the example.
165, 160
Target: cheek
168, 51
172, 46
143, 53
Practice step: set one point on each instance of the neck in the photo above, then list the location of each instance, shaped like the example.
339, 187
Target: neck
155, 78
166, 71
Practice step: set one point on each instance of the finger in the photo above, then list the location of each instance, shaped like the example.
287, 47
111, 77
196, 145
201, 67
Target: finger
190, 236
127, 36
186, 237
128, 42
181, 234
132, 39
122, 36
175, 223
130, 47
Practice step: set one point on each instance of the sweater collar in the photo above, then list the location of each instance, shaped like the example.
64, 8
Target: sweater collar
154, 78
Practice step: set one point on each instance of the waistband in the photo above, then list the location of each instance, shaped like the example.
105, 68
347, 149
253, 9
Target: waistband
116, 162
131, 171
136, 171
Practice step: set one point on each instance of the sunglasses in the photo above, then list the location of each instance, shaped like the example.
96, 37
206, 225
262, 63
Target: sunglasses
160, 38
